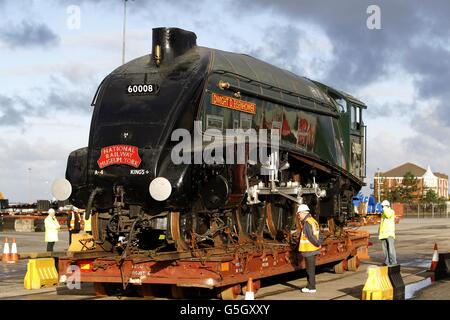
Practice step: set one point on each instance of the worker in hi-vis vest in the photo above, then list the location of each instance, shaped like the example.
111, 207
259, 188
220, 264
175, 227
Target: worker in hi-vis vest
74, 223
87, 224
309, 246
387, 234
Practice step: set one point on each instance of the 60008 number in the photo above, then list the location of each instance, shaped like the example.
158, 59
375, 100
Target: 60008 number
142, 89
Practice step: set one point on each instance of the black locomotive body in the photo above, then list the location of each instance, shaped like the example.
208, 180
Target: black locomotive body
141, 198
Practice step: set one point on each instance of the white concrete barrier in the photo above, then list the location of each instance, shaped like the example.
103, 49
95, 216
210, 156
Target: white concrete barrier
24, 225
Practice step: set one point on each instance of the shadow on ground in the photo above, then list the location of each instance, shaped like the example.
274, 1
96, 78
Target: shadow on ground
85, 290
355, 292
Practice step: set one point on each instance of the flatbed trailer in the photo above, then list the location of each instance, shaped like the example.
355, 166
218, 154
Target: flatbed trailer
224, 271
369, 220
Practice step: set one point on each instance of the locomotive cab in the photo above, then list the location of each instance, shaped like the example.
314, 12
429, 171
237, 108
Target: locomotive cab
351, 121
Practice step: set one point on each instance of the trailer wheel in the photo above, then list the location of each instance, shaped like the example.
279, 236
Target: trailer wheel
230, 293
145, 291
353, 263
100, 289
177, 292
109, 289
340, 267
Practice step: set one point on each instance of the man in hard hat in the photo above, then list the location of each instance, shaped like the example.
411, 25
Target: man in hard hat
310, 245
87, 223
387, 233
73, 222
51, 230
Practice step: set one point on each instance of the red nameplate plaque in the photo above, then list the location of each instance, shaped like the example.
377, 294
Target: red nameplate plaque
119, 154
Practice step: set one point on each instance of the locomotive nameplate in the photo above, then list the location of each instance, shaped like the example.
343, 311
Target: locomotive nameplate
233, 103
119, 154
142, 89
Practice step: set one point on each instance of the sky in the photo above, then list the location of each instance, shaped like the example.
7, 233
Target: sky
54, 54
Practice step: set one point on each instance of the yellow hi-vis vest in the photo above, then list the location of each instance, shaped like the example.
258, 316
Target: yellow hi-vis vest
87, 223
305, 244
387, 224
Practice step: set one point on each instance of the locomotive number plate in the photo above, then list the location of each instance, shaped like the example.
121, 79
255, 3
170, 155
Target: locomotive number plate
142, 89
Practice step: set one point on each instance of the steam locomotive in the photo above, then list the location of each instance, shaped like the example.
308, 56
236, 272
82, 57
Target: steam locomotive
142, 198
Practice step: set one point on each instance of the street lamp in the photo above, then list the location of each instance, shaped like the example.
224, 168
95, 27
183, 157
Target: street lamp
124, 29
47, 187
29, 186
378, 184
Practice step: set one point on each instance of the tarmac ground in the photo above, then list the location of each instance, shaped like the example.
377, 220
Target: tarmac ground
415, 239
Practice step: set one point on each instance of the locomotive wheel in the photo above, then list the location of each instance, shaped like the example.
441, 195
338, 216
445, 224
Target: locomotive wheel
278, 219
175, 231
248, 220
95, 226
270, 221
241, 235
230, 293
340, 267
353, 263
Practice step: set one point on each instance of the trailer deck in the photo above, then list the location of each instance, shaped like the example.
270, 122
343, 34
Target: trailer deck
225, 269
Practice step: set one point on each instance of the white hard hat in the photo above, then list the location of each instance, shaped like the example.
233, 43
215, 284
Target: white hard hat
303, 208
385, 203
51, 210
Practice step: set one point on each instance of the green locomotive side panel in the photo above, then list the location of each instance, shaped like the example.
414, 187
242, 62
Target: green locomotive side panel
312, 119
315, 135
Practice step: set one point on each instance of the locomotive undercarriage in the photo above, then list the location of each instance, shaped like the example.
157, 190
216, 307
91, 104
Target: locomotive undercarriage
265, 214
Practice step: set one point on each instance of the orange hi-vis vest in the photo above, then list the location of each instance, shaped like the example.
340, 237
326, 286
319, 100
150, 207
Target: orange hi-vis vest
72, 220
305, 244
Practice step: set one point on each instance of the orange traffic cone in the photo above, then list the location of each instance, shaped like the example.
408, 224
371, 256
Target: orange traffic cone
14, 257
434, 261
6, 256
249, 292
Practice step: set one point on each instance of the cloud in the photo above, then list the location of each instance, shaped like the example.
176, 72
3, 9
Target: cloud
324, 40
70, 101
289, 47
360, 54
413, 42
9, 115
28, 34
432, 63
61, 96
46, 159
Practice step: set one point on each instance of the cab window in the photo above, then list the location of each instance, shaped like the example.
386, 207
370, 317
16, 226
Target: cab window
355, 117
342, 105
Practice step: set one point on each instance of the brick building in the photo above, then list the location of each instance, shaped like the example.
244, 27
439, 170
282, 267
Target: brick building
426, 180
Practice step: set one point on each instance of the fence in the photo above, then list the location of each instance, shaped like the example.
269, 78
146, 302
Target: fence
432, 210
